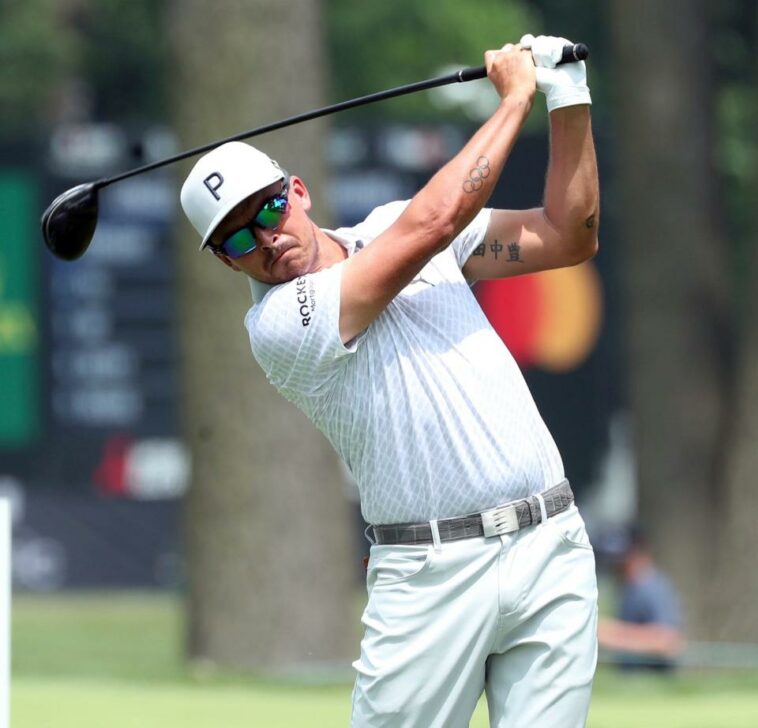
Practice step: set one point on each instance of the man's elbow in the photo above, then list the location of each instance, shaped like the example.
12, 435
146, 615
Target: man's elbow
590, 247
575, 235
585, 235
434, 226
580, 247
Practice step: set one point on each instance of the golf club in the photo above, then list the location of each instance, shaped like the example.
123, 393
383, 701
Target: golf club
68, 224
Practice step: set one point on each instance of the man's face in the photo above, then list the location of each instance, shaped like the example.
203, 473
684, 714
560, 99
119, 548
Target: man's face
280, 255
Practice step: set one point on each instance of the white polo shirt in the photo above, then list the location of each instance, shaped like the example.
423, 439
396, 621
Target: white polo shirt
427, 407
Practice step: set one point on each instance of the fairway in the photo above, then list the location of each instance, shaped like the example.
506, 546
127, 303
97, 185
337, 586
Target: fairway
114, 661
69, 703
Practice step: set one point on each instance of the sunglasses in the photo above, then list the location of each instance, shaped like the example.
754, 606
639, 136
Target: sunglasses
270, 216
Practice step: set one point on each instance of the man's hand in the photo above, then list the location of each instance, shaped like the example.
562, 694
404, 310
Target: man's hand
511, 72
651, 639
565, 85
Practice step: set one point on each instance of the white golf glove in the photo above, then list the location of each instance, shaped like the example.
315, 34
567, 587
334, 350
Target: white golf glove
564, 85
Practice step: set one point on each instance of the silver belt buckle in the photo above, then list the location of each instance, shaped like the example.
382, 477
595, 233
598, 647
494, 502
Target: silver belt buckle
500, 520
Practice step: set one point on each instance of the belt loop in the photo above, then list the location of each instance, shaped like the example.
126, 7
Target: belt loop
543, 510
371, 539
436, 535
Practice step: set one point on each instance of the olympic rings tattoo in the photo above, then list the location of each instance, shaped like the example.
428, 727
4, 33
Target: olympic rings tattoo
477, 175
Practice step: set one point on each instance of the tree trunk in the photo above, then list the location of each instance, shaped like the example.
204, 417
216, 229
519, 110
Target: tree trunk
267, 527
737, 585
735, 613
678, 324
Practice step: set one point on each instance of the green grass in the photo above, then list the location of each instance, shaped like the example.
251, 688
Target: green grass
115, 661
105, 636
83, 703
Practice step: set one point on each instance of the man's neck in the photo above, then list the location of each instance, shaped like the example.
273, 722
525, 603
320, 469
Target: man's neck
330, 252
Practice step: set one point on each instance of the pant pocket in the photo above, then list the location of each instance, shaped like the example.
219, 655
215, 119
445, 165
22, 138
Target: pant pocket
393, 564
569, 527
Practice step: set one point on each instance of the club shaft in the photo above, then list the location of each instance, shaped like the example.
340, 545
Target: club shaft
465, 74
571, 53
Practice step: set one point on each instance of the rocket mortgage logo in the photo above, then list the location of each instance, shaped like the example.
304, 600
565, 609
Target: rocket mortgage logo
549, 320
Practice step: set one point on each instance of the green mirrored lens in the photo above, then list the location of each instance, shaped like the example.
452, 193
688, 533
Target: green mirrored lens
271, 214
241, 243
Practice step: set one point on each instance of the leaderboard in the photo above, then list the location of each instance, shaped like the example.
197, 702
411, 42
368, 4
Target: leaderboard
111, 345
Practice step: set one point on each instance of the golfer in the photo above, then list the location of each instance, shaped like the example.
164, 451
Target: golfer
481, 576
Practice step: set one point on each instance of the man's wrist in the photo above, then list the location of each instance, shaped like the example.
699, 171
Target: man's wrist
561, 98
517, 101
575, 111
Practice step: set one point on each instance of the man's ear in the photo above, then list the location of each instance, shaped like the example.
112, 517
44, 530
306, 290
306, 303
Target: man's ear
226, 260
297, 187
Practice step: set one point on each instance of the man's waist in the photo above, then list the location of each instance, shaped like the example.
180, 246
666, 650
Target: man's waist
505, 518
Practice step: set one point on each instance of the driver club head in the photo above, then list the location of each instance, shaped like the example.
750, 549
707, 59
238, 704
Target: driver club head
69, 222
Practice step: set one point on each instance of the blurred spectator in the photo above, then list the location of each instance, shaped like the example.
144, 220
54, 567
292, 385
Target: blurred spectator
647, 633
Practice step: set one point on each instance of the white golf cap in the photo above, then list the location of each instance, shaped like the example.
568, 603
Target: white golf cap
220, 180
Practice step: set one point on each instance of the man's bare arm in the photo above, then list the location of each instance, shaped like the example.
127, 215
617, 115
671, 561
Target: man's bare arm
564, 231
653, 639
449, 201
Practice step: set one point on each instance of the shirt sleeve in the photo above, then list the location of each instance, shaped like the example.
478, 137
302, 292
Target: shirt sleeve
471, 237
294, 333
380, 219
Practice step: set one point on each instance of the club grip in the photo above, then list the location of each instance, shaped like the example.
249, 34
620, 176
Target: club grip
572, 53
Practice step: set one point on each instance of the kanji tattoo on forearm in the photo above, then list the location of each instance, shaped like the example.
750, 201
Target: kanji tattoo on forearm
477, 175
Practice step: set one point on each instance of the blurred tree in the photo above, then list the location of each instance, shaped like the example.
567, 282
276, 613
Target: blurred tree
38, 49
734, 39
737, 578
378, 45
77, 59
268, 529
101, 59
116, 49
124, 58
692, 360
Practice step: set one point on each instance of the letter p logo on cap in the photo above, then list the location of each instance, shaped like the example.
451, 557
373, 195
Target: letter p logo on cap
218, 177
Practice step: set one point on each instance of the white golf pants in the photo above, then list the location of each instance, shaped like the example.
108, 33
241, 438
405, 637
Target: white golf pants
513, 615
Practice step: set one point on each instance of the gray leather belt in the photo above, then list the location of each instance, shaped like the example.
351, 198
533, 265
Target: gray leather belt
494, 522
